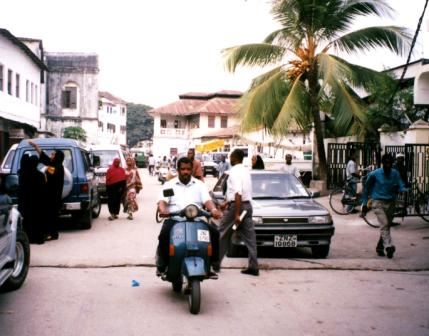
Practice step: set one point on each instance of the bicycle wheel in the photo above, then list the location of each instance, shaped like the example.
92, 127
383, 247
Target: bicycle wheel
371, 219
422, 206
339, 203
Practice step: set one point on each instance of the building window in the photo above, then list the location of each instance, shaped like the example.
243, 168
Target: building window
32, 93
9, 81
224, 122
123, 111
36, 95
111, 128
194, 122
17, 80
27, 91
69, 97
177, 124
211, 121
123, 129
163, 123
101, 126
1, 77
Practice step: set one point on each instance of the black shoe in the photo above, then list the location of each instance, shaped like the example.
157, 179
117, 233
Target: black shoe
395, 224
250, 271
216, 268
160, 270
380, 252
390, 250
213, 275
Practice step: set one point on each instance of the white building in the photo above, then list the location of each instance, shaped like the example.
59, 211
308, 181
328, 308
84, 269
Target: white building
188, 121
112, 120
22, 87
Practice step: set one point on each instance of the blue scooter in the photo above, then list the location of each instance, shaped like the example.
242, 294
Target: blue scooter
190, 254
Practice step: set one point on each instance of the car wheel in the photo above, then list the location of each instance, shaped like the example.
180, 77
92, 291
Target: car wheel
97, 208
21, 265
85, 221
320, 252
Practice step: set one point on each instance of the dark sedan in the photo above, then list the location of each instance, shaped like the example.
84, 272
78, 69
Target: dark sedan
284, 213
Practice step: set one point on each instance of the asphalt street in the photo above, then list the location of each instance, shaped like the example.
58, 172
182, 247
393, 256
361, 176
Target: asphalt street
81, 284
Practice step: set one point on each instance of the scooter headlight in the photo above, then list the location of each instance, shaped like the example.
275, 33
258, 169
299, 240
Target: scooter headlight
191, 211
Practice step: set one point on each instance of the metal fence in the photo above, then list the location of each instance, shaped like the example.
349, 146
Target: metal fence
366, 154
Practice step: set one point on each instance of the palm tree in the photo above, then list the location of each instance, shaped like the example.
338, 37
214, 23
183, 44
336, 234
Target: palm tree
306, 74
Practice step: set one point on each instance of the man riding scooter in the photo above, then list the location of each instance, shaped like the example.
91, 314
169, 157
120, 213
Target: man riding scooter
187, 190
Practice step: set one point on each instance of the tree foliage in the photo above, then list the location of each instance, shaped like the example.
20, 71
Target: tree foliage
393, 114
139, 123
307, 73
75, 132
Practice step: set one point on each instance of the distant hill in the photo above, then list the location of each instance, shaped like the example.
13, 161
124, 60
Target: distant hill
139, 123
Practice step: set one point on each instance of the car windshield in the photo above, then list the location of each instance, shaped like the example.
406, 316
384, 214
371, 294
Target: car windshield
106, 157
277, 186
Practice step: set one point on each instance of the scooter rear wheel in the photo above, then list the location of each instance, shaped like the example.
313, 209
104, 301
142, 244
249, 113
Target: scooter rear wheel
194, 297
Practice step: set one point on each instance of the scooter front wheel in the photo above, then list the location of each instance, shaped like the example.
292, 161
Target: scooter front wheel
194, 297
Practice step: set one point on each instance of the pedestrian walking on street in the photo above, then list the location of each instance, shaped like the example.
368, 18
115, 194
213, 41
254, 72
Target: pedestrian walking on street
290, 168
151, 164
383, 186
32, 198
197, 169
238, 197
134, 185
116, 180
54, 188
223, 165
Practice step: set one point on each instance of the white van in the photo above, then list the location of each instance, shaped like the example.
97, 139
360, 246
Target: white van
106, 153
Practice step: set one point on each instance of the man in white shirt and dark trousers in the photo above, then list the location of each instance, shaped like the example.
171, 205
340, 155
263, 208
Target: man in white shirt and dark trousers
238, 197
352, 175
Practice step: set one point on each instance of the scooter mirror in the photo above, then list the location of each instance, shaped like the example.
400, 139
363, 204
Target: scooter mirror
168, 192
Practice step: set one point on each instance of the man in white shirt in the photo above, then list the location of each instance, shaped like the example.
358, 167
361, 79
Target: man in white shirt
290, 168
187, 190
352, 175
238, 199
151, 164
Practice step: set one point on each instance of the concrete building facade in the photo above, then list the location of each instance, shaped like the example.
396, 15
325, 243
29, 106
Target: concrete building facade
72, 93
112, 120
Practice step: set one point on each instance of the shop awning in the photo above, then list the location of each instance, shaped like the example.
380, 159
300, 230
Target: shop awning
209, 146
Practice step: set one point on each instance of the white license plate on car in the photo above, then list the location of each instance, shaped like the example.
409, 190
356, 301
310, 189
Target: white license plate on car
285, 241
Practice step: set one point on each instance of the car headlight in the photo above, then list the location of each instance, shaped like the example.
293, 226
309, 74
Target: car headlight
257, 220
320, 219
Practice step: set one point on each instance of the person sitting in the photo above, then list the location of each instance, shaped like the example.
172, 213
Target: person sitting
187, 189
257, 162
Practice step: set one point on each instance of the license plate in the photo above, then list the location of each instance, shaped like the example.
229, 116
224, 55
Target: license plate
285, 241
203, 236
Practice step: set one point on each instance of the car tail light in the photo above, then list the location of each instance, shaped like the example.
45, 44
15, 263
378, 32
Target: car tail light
171, 250
209, 250
84, 188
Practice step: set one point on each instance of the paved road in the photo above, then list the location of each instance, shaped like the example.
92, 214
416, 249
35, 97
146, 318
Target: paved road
81, 285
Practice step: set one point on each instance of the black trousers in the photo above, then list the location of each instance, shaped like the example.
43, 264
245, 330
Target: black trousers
164, 242
114, 197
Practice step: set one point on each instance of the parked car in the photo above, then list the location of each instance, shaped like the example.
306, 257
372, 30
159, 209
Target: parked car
14, 249
106, 154
284, 213
80, 193
7, 161
209, 166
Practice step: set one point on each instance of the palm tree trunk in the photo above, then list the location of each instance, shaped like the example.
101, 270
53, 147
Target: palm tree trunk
322, 172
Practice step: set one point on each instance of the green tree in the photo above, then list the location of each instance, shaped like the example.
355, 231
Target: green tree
305, 75
74, 132
139, 123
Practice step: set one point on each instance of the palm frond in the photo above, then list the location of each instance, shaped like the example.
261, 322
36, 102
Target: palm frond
258, 54
396, 39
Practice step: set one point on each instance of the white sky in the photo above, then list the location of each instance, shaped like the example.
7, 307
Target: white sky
150, 51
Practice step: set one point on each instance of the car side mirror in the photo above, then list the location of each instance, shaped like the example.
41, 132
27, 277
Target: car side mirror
168, 192
314, 193
96, 161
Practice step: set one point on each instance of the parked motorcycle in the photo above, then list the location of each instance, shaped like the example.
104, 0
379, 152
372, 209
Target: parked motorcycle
190, 254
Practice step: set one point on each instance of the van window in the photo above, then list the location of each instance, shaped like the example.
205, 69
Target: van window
106, 156
86, 160
68, 157
8, 160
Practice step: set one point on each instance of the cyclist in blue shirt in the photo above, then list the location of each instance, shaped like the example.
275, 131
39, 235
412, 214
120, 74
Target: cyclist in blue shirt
383, 186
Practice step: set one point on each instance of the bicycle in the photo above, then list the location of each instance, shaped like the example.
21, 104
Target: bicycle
344, 199
419, 201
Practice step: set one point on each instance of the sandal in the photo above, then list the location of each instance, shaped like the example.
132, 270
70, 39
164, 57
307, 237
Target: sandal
111, 218
130, 216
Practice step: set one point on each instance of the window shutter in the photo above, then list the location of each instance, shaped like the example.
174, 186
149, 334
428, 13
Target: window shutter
73, 97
